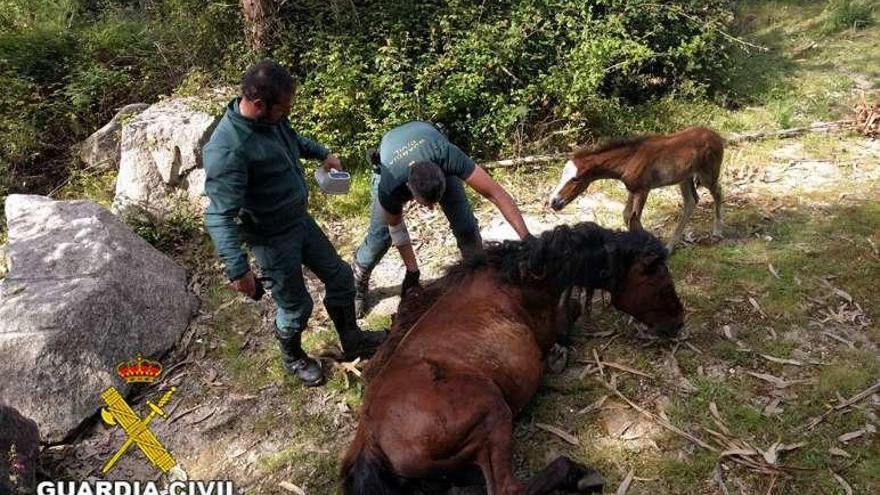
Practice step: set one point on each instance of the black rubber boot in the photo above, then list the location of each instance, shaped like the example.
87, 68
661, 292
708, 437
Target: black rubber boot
356, 343
361, 287
295, 360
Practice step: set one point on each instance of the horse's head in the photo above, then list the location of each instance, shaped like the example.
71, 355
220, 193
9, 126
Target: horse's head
575, 179
646, 291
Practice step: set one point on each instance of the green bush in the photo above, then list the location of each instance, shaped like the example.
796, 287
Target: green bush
493, 70
66, 66
168, 232
498, 74
847, 14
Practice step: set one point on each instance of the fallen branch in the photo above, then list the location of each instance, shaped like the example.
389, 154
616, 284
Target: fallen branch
624, 486
621, 367
559, 432
796, 131
843, 405
733, 139
864, 394
842, 482
720, 480
525, 160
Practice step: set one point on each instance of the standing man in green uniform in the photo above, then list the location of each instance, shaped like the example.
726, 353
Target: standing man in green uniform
258, 194
416, 161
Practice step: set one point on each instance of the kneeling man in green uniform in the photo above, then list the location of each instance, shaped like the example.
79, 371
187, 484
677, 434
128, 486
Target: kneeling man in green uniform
415, 161
258, 194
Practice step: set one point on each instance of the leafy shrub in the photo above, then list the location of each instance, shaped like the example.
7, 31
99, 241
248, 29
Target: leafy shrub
181, 224
66, 66
492, 70
847, 14
496, 74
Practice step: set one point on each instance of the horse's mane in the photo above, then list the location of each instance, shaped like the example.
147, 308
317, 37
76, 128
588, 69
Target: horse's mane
580, 255
584, 254
611, 144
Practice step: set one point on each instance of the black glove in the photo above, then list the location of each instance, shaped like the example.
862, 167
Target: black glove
409, 281
260, 288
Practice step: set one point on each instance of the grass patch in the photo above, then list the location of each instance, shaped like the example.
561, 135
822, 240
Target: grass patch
688, 473
857, 370
332, 207
98, 186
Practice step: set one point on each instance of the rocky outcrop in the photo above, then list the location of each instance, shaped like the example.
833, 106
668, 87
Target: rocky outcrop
161, 157
101, 150
83, 293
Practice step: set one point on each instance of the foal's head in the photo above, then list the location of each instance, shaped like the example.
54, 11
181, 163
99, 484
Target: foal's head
573, 182
590, 164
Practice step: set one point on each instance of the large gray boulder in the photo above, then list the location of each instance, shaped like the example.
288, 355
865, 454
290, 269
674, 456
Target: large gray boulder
19, 452
160, 165
100, 151
83, 293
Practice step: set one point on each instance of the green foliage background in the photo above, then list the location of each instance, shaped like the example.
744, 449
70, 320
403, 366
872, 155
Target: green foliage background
503, 76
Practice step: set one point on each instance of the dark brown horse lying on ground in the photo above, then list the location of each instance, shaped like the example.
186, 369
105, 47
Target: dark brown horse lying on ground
466, 356
688, 158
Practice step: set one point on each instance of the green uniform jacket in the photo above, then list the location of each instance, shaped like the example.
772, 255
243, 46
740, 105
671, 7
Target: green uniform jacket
254, 177
415, 142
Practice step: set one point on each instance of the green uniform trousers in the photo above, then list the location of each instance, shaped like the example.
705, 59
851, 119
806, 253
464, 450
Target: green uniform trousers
281, 258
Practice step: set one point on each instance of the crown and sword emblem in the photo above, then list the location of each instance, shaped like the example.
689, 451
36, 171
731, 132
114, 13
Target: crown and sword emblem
137, 430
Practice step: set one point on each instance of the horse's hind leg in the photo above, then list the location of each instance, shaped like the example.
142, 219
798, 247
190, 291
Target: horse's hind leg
496, 462
566, 475
496, 456
689, 195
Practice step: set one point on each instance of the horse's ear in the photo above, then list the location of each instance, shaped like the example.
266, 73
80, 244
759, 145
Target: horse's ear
651, 262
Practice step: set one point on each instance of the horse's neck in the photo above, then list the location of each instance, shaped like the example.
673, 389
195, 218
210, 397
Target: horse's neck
611, 164
541, 307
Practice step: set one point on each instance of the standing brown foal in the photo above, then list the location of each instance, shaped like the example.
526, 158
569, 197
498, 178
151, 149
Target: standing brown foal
467, 354
688, 158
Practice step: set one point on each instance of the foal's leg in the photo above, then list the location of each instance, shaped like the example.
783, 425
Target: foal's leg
715, 191
634, 219
689, 195
628, 209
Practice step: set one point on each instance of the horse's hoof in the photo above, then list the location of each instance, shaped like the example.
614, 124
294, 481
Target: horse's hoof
591, 483
557, 359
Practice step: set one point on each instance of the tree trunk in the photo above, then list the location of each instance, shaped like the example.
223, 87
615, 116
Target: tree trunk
258, 21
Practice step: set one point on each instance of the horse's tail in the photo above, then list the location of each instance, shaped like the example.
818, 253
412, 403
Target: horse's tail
365, 469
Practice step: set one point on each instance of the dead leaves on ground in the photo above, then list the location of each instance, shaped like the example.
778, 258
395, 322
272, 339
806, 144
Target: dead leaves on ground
742, 452
867, 119
775, 380
559, 432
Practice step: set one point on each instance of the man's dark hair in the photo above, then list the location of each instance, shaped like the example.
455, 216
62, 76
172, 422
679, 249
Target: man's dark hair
427, 181
267, 81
